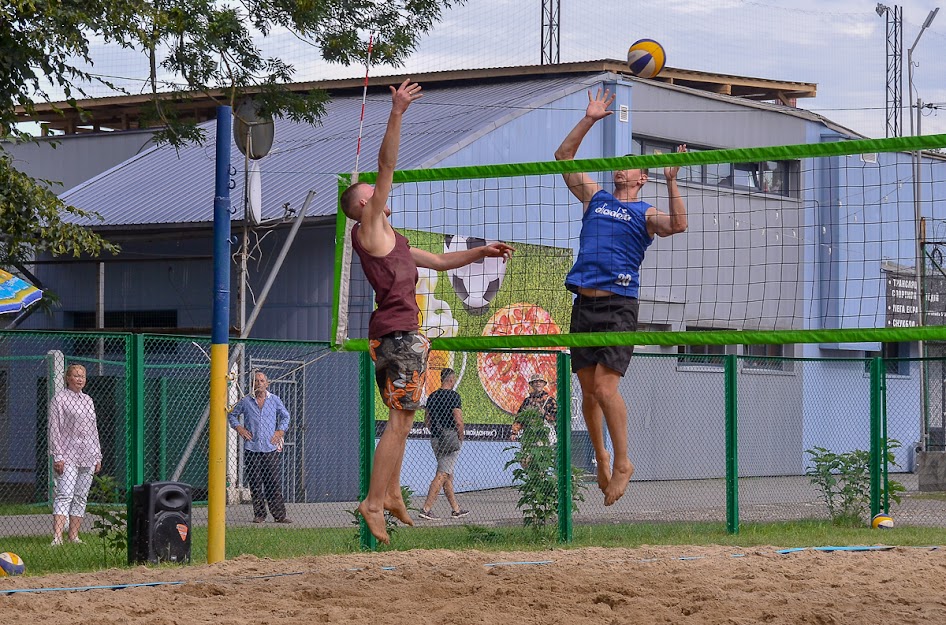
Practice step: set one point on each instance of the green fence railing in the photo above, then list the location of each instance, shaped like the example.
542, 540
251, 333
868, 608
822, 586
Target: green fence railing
718, 438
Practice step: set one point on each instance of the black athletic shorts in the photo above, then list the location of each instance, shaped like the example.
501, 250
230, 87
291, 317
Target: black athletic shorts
611, 313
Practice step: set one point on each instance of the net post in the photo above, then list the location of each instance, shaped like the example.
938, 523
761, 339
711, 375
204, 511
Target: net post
730, 365
876, 431
366, 432
564, 427
341, 283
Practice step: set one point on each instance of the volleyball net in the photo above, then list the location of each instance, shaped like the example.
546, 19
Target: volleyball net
795, 244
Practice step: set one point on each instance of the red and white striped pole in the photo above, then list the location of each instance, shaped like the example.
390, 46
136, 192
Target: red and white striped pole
364, 97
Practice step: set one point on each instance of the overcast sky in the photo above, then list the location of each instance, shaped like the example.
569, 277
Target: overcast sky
840, 45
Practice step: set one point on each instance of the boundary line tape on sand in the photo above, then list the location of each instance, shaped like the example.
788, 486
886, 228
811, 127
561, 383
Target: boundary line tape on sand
829, 549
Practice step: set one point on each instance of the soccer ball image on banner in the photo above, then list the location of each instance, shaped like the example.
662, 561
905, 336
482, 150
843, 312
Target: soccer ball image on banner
11, 564
882, 521
478, 283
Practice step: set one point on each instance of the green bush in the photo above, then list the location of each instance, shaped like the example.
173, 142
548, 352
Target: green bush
534, 474
844, 481
111, 518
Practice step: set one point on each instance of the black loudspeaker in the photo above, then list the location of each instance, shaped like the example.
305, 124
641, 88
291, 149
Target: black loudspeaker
161, 527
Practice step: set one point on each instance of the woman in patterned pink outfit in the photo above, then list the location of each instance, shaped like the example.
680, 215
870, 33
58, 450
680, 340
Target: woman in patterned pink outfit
77, 455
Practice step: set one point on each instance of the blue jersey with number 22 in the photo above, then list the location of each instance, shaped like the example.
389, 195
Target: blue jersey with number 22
612, 245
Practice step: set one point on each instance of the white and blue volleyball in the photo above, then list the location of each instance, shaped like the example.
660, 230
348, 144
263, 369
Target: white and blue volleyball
11, 564
646, 58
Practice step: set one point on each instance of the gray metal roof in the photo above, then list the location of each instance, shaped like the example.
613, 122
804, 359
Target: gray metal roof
166, 186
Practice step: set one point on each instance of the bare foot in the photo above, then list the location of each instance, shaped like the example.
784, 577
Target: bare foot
398, 510
604, 471
619, 479
375, 522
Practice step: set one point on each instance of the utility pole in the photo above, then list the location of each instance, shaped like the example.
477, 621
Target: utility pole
894, 17
920, 236
551, 48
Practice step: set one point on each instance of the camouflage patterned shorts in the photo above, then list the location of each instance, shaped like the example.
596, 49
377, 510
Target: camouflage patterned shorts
400, 362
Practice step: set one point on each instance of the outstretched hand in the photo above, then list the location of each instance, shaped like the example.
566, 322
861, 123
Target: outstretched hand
496, 250
670, 173
405, 94
598, 105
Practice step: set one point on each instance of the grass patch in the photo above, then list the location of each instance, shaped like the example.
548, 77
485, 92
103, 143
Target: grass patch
937, 496
19, 509
279, 543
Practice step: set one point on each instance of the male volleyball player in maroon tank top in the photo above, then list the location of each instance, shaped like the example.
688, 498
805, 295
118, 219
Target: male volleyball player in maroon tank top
397, 348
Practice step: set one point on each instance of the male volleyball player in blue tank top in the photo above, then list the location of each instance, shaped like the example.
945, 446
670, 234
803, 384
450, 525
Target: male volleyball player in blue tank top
397, 348
616, 230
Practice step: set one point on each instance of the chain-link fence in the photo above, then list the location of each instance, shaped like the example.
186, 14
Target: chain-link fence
712, 438
65, 418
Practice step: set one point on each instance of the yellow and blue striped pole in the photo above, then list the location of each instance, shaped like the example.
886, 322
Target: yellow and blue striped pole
220, 335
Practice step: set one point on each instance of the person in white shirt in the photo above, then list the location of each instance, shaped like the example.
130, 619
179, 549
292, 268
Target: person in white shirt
76, 453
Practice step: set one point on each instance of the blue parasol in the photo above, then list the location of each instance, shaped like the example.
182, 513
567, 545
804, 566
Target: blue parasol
16, 294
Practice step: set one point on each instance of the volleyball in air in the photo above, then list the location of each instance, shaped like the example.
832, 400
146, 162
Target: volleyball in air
11, 564
882, 521
646, 58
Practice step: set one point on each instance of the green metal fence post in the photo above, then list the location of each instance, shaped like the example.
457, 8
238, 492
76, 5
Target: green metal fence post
163, 429
883, 441
876, 431
732, 445
564, 426
367, 436
134, 422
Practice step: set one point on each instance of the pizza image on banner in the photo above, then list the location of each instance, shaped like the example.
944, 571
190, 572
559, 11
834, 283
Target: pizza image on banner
504, 375
529, 298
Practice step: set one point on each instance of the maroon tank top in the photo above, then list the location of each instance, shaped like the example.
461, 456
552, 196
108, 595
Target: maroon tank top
394, 279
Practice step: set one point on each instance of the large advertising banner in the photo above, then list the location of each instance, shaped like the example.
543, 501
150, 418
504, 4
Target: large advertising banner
525, 295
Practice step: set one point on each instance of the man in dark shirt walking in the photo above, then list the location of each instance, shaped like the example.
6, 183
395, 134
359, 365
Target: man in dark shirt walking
444, 418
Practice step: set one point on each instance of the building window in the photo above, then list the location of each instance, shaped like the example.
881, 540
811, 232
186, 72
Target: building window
891, 353
766, 177
124, 320
767, 357
772, 177
652, 327
703, 355
93, 346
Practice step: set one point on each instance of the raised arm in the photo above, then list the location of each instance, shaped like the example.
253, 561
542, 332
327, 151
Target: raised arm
663, 224
452, 260
581, 184
376, 234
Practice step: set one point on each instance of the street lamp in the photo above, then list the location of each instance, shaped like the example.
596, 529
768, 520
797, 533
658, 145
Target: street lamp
926, 24
920, 235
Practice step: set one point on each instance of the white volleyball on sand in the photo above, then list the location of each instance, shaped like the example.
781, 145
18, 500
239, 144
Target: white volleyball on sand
478, 283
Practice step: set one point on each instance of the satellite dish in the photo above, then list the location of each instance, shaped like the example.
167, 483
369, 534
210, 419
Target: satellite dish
254, 194
253, 134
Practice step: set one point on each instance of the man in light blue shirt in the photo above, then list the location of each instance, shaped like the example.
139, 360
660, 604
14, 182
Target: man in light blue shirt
265, 420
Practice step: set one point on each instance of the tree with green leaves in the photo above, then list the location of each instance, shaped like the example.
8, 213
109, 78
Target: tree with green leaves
194, 48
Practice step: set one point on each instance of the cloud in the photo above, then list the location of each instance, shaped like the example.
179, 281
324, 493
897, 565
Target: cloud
838, 45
